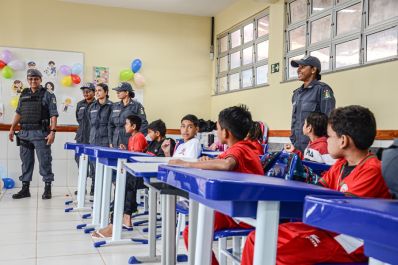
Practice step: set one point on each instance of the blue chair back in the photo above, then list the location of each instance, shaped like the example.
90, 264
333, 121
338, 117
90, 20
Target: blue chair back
280, 165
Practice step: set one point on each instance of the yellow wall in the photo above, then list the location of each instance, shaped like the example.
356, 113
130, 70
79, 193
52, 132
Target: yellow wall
174, 48
372, 86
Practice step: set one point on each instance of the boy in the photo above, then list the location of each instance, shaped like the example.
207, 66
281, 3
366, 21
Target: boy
157, 134
233, 126
315, 127
137, 141
191, 147
357, 172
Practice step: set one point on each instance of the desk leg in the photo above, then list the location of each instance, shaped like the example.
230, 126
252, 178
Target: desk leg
163, 199
204, 236
81, 186
266, 232
99, 171
119, 200
171, 230
373, 261
152, 222
193, 225
106, 196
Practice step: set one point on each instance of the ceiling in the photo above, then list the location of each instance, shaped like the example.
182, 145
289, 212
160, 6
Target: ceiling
188, 7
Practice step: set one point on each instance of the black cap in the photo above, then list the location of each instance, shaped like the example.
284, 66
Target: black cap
88, 85
124, 86
33, 72
308, 60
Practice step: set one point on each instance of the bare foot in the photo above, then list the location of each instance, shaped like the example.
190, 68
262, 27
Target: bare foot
127, 220
104, 232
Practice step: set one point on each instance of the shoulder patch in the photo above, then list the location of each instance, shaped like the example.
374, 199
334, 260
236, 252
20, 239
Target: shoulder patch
54, 100
326, 93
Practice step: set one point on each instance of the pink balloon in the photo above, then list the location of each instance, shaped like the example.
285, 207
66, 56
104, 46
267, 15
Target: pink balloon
139, 80
17, 65
65, 70
6, 56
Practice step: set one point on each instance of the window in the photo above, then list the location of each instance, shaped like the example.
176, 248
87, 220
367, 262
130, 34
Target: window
242, 58
341, 33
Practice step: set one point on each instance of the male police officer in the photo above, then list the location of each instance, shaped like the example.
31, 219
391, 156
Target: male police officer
37, 114
312, 96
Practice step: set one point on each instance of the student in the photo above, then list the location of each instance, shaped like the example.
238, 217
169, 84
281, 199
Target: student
315, 127
233, 126
255, 136
137, 141
191, 146
157, 134
357, 172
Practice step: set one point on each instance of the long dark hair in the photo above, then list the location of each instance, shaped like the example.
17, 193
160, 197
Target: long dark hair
105, 88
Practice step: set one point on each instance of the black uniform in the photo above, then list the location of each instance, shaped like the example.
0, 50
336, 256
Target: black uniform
99, 118
82, 117
317, 96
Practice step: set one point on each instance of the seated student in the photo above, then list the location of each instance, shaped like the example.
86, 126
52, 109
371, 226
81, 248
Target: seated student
191, 146
315, 127
255, 136
357, 172
157, 134
137, 141
233, 126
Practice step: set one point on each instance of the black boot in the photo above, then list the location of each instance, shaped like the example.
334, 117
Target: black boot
92, 188
47, 191
24, 192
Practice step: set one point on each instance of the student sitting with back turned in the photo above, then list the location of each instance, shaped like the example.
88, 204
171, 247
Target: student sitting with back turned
157, 133
357, 172
137, 141
191, 147
233, 126
315, 127
255, 136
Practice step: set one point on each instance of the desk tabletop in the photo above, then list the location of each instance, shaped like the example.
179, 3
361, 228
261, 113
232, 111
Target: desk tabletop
156, 159
210, 153
71, 146
144, 170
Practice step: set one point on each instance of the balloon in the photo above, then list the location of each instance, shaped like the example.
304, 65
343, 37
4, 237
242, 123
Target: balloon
17, 65
136, 65
65, 70
7, 72
75, 79
77, 69
5, 56
9, 183
126, 75
14, 102
67, 80
139, 80
2, 64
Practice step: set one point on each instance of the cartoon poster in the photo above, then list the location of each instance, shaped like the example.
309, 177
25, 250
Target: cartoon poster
101, 75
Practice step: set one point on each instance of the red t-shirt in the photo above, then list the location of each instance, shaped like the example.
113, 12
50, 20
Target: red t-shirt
258, 146
246, 157
365, 180
137, 143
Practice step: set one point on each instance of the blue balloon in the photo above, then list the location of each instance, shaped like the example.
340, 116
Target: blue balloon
9, 183
77, 69
136, 65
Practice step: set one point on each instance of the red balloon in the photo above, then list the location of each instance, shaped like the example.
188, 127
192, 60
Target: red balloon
75, 79
2, 64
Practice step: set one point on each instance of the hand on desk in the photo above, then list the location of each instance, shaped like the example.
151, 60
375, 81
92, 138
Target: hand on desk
289, 148
205, 158
122, 146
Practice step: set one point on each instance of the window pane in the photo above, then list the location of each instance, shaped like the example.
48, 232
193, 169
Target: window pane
248, 33
321, 5
297, 38
347, 53
262, 75
298, 10
349, 19
223, 64
234, 82
341, 1
248, 55
381, 10
262, 26
247, 78
262, 50
324, 56
224, 44
320, 29
235, 60
235, 39
381, 45
222, 84
293, 70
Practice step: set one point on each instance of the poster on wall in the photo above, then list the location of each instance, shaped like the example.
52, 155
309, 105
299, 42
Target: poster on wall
62, 75
101, 75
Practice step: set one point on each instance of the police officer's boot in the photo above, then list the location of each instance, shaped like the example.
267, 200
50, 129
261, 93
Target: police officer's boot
47, 191
24, 192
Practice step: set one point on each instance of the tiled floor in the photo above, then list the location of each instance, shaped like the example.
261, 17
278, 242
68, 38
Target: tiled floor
38, 232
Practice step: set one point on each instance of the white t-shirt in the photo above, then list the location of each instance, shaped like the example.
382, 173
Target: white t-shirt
189, 149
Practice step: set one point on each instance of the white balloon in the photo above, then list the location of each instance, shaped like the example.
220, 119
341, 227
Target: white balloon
17, 65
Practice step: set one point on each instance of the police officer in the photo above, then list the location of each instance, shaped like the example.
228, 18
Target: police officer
120, 110
312, 96
37, 115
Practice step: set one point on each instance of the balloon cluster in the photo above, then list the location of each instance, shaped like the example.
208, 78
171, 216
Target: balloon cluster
71, 74
132, 74
8, 65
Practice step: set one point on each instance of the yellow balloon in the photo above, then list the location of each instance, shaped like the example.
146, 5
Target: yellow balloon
14, 102
67, 81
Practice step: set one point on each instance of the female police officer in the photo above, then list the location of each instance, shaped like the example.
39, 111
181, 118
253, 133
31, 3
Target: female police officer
37, 114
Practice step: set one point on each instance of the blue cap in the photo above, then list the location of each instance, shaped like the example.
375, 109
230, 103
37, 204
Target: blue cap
124, 86
308, 60
33, 72
88, 85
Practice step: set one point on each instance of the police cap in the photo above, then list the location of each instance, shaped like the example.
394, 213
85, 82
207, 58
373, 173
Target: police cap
309, 60
33, 72
124, 86
88, 85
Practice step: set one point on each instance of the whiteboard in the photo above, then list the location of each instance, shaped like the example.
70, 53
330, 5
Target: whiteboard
67, 97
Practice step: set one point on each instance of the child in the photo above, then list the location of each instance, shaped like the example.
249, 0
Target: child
256, 137
191, 147
357, 172
157, 133
233, 126
137, 141
315, 127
